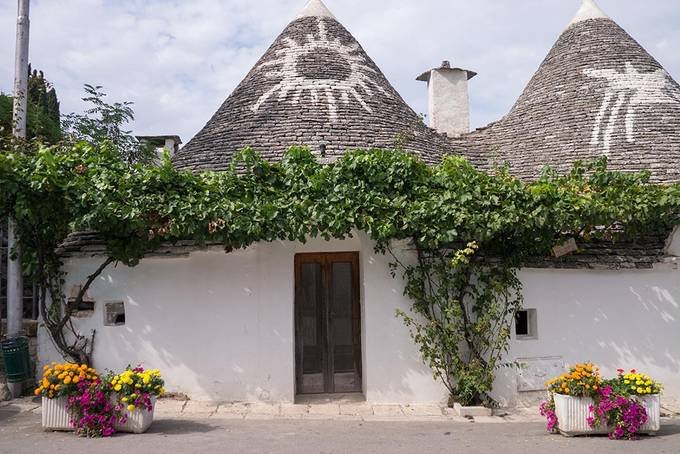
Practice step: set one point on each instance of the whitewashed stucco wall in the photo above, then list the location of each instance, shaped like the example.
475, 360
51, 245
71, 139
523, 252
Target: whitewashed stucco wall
617, 319
221, 326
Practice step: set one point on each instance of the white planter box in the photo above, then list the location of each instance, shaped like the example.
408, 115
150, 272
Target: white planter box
138, 421
653, 406
55, 415
573, 413
572, 416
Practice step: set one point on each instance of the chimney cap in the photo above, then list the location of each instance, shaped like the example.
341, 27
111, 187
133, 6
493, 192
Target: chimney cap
445, 66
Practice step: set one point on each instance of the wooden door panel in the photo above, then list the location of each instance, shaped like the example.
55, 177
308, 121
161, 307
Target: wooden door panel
327, 323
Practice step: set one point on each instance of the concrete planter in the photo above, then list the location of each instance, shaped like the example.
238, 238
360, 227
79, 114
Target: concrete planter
138, 421
652, 405
573, 413
572, 416
55, 415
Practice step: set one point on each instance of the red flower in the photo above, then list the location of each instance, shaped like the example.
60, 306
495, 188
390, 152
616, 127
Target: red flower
633, 371
620, 371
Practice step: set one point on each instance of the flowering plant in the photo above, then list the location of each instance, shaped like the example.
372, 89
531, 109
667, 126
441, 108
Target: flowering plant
583, 380
624, 416
548, 410
135, 387
634, 384
61, 380
617, 405
93, 413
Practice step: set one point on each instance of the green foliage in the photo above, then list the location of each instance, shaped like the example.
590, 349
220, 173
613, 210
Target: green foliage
468, 230
5, 115
43, 118
104, 122
463, 311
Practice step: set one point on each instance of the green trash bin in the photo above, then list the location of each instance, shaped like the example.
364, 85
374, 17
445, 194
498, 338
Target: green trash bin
17, 359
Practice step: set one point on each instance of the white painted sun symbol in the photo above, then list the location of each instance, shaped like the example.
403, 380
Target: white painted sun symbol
629, 90
348, 69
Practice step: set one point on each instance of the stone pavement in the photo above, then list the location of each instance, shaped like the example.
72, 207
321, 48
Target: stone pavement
341, 410
197, 429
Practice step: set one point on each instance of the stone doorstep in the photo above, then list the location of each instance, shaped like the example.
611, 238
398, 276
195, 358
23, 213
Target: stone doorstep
388, 411
423, 410
467, 412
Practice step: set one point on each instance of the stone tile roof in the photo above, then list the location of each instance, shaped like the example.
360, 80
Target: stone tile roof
314, 86
643, 253
598, 92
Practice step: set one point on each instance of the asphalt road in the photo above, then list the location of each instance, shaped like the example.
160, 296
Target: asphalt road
21, 433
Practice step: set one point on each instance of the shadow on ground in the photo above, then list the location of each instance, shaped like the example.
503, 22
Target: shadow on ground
668, 429
9, 411
180, 427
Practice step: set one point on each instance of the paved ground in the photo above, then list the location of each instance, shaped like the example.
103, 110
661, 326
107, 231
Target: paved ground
193, 431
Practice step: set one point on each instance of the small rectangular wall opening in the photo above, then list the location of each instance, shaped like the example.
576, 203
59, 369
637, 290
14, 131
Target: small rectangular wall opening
114, 314
80, 310
526, 324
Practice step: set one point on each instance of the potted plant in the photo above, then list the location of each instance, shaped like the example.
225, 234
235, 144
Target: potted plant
572, 398
58, 384
629, 405
94, 414
136, 391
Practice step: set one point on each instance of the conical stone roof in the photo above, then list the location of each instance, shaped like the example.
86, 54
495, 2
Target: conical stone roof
598, 92
315, 86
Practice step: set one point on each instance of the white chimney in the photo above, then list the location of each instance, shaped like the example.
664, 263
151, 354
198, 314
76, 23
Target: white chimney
448, 99
162, 143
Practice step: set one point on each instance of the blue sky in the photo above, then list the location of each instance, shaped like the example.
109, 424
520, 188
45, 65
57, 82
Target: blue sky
179, 59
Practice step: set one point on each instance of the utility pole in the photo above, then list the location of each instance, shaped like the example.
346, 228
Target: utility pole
15, 284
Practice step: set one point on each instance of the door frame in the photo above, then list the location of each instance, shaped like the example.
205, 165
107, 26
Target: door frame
326, 259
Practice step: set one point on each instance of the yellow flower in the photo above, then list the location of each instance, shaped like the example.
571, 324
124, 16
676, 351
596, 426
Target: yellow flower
117, 387
626, 382
649, 390
640, 390
124, 400
131, 408
67, 380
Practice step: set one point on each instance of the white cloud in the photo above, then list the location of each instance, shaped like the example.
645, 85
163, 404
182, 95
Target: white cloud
179, 59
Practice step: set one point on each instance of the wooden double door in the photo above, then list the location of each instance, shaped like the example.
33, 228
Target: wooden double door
327, 323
